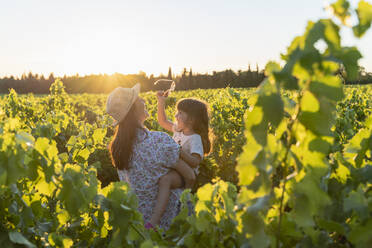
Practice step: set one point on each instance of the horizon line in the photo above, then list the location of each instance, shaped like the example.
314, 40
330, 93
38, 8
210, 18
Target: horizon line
58, 75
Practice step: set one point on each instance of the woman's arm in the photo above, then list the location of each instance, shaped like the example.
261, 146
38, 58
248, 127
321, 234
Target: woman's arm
193, 160
162, 118
186, 172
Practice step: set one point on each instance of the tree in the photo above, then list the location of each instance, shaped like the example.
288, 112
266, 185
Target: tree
51, 77
170, 73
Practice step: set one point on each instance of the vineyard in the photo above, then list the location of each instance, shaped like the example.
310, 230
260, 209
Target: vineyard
291, 164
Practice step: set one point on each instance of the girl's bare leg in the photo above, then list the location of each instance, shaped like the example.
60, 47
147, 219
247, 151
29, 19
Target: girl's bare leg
171, 180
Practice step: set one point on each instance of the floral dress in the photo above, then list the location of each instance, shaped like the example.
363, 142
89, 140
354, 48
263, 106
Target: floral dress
154, 153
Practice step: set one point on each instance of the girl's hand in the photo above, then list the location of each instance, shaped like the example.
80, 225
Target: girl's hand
161, 95
166, 93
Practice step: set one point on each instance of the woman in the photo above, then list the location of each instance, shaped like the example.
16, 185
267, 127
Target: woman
141, 156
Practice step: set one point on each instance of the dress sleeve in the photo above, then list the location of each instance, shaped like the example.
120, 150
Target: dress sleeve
167, 150
196, 146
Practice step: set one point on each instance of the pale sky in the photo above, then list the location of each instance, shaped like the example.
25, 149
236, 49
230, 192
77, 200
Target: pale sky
107, 36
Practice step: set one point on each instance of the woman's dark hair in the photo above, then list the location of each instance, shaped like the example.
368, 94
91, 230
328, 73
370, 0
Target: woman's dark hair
197, 112
121, 146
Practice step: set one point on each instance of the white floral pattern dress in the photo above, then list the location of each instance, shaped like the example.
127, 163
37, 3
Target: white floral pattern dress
154, 153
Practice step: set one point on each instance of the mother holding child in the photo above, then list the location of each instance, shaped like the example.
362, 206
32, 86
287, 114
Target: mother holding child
157, 167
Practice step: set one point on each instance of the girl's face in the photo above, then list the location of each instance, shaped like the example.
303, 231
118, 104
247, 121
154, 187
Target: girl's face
141, 110
183, 120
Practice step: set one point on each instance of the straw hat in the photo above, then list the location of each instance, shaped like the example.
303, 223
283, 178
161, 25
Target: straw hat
120, 101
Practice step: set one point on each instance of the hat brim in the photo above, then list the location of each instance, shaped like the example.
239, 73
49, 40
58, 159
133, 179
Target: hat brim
136, 90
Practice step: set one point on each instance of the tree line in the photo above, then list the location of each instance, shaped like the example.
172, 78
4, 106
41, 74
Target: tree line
187, 80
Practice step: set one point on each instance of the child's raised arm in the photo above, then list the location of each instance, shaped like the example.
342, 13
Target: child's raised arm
162, 118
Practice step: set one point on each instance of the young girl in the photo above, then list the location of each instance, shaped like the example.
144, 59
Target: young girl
191, 132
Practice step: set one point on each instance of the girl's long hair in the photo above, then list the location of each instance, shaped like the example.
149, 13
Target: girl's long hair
121, 146
197, 111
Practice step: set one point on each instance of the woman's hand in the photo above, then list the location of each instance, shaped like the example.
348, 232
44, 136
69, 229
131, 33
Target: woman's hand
193, 160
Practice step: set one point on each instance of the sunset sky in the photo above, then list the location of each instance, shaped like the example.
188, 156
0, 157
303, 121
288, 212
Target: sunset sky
85, 37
